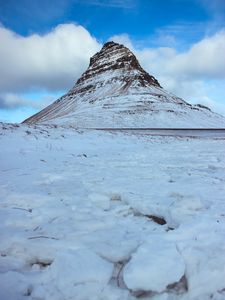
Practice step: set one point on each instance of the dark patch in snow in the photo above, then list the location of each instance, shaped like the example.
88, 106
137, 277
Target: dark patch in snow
117, 276
156, 219
179, 287
28, 292
42, 237
41, 263
20, 208
142, 294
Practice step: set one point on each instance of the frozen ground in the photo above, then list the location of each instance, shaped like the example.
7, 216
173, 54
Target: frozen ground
110, 216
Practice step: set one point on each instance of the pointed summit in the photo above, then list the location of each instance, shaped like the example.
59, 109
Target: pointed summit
115, 91
117, 58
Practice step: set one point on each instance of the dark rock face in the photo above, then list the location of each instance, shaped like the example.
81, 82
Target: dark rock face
114, 56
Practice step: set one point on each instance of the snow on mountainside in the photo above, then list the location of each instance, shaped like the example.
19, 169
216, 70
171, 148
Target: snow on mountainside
116, 92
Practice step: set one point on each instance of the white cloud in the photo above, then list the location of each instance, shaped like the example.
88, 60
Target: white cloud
11, 101
205, 59
51, 61
187, 74
123, 39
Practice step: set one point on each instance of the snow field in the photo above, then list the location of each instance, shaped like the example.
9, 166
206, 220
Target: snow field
97, 215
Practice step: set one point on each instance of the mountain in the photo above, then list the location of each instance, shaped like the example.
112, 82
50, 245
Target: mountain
115, 91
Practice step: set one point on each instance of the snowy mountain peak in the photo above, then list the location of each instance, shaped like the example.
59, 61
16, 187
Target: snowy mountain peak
121, 63
115, 91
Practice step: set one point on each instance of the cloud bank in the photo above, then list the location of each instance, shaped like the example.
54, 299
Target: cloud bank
11, 101
204, 60
196, 75
51, 61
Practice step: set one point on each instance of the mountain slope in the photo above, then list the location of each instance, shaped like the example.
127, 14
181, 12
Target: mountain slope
116, 92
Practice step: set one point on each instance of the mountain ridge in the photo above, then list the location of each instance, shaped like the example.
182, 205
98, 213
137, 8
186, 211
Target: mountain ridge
115, 91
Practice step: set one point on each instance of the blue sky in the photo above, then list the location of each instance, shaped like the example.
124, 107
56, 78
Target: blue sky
140, 19
46, 45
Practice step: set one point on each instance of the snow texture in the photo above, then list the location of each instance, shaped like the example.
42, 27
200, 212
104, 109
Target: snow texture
97, 215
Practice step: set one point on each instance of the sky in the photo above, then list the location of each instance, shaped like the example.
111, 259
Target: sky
46, 45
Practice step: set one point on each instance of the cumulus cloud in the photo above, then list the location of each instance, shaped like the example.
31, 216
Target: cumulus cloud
11, 101
187, 74
52, 61
203, 60
123, 39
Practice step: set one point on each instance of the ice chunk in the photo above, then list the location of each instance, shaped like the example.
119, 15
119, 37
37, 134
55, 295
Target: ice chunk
80, 266
154, 266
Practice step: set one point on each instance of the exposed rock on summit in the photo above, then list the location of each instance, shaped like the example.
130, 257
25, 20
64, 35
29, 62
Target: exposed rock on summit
117, 57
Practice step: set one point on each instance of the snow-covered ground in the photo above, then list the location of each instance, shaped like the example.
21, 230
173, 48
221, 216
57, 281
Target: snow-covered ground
110, 216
